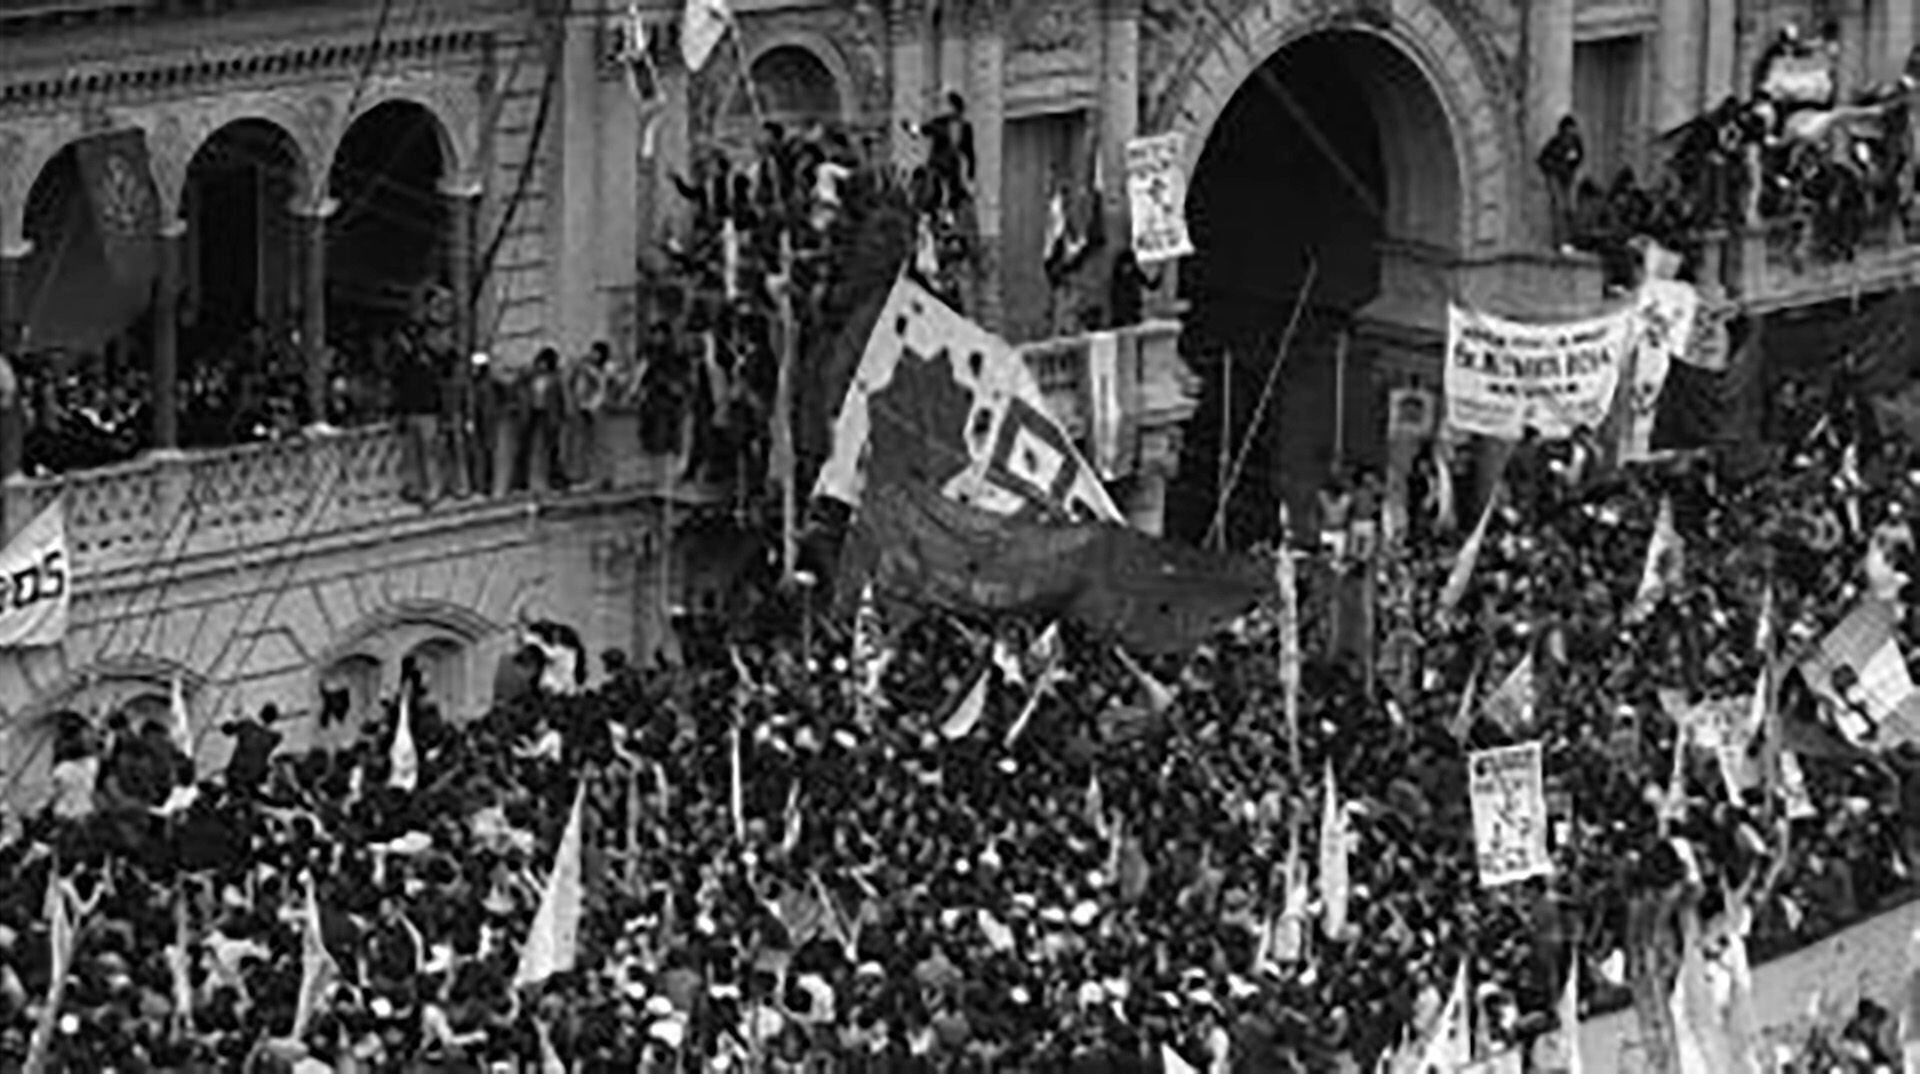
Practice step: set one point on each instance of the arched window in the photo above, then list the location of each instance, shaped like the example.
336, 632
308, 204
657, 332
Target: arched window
352, 684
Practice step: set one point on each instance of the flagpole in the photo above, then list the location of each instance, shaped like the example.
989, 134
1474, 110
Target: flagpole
746, 72
1218, 538
783, 416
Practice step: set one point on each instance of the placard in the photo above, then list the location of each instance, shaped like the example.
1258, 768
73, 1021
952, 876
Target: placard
1509, 814
1157, 192
1504, 377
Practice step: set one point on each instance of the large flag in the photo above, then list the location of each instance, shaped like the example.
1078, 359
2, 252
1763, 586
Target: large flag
1666, 555
1860, 673
553, 943
1154, 596
939, 400
702, 27
1335, 889
403, 757
38, 568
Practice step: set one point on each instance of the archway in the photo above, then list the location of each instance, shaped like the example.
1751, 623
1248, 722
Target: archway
90, 216
385, 243
238, 201
792, 86
1337, 143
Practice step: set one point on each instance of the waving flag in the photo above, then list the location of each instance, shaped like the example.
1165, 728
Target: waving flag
1512, 705
318, 970
553, 943
404, 757
967, 707
1666, 554
703, 25
1463, 564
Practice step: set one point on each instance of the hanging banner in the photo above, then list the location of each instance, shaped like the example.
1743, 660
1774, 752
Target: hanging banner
1509, 814
1663, 329
1504, 377
1157, 191
36, 579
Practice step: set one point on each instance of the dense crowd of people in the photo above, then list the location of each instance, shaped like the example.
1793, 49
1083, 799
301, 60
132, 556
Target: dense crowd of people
1092, 875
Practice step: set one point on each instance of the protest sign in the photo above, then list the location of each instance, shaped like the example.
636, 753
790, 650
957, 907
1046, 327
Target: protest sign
1157, 192
1504, 377
1509, 814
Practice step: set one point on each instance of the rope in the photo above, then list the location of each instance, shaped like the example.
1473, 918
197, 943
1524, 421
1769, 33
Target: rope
1218, 528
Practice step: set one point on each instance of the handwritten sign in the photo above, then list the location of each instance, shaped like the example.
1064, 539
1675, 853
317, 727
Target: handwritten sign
1157, 192
1509, 814
1504, 377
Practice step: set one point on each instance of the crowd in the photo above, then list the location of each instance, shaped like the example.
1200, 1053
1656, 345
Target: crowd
1092, 875
1821, 167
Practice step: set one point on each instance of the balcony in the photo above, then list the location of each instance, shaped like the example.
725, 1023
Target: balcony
1775, 265
1417, 282
260, 499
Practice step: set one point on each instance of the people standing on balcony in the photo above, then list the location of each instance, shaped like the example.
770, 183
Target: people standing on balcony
950, 155
1560, 161
545, 409
586, 402
417, 406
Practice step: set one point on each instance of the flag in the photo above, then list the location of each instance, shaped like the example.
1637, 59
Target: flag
1851, 486
62, 937
1446, 1045
736, 785
1334, 890
1289, 934
1172, 1062
702, 25
1570, 1059
1763, 629
1910, 1009
550, 1062
1462, 724
182, 725
1859, 672
967, 707
1096, 805
790, 840
318, 970
179, 956
404, 758
553, 943
1665, 556
729, 264
1884, 580
1044, 655
1287, 581
39, 568
869, 658
1512, 705
1463, 564
939, 401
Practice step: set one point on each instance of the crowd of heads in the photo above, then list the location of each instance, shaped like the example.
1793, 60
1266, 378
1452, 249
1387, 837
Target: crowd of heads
1094, 872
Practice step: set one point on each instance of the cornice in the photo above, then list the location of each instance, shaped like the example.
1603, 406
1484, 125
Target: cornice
221, 66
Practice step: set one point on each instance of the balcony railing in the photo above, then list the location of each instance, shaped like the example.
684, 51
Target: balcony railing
1780, 264
249, 497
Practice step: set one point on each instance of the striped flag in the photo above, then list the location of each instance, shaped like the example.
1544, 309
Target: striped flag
552, 945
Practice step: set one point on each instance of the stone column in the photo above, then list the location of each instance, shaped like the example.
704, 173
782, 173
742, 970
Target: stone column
166, 335
1677, 64
313, 216
907, 34
986, 106
13, 257
1896, 38
462, 200
1723, 31
1119, 109
1548, 34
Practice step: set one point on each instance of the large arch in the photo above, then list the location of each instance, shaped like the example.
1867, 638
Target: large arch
238, 195
89, 263
1314, 143
385, 240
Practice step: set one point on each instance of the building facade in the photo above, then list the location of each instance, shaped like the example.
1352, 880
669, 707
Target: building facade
1353, 166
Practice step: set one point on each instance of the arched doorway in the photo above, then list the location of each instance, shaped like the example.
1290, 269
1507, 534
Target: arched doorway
238, 346
1337, 143
238, 202
385, 243
792, 86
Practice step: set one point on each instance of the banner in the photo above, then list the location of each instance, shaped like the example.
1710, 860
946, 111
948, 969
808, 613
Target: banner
1504, 377
1800, 80
1157, 190
36, 589
1509, 814
939, 400
1663, 329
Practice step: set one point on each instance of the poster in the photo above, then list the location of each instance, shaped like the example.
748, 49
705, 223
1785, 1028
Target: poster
1663, 330
1509, 814
1504, 377
1157, 192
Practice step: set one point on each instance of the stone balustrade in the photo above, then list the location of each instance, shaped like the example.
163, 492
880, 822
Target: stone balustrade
252, 498
1778, 265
